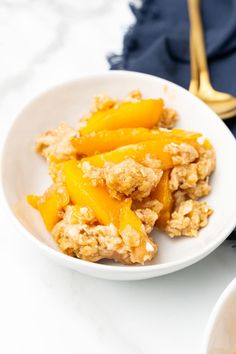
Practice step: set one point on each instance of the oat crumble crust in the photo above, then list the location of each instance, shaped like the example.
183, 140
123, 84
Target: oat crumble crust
183, 177
78, 234
182, 154
105, 102
148, 218
194, 177
201, 189
188, 218
125, 179
168, 118
57, 143
148, 211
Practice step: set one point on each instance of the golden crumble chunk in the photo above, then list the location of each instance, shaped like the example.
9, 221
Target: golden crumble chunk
57, 143
193, 178
148, 203
148, 218
79, 235
188, 218
125, 179
182, 154
134, 95
131, 179
148, 211
168, 119
207, 162
183, 177
95, 174
201, 189
103, 103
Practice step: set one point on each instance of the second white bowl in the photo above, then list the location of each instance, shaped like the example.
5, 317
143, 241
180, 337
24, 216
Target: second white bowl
220, 337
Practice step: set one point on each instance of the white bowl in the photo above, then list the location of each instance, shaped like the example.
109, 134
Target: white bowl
220, 336
23, 172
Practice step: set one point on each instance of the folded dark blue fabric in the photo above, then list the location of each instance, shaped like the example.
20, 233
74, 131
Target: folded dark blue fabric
158, 43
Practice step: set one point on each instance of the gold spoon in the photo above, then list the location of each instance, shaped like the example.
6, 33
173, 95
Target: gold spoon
194, 85
222, 103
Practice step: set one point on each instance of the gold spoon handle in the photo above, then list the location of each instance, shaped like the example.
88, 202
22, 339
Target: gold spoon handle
194, 81
198, 38
205, 89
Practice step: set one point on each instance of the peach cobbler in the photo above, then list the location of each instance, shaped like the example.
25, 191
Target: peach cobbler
122, 172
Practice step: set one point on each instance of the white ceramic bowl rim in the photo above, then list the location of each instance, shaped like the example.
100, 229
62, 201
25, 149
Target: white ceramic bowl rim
62, 258
215, 312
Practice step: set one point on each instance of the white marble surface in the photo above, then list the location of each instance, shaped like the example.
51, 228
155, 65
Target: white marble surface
45, 308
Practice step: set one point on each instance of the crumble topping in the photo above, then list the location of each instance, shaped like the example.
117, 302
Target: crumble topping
192, 180
148, 218
95, 174
148, 211
79, 235
134, 96
149, 161
79, 215
148, 203
201, 189
182, 154
103, 103
207, 162
60, 190
168, 118
57, 143
188, 218
125, 179
183, 177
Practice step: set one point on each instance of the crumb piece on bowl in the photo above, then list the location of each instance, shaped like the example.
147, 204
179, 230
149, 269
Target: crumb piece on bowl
179, 196
103, 103
201, 189
168, 119
95, 174
188, 218
80, 215
194, 177
134, 96
182, 154
183, 177
154, 164
148, 218
55, 172
207, 162
148, 211
57, 143
152, 204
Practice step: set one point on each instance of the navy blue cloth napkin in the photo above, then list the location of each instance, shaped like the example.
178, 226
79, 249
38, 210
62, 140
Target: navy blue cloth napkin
158, 43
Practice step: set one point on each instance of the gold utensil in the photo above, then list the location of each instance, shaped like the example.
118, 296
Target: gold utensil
222, 103
194, 82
